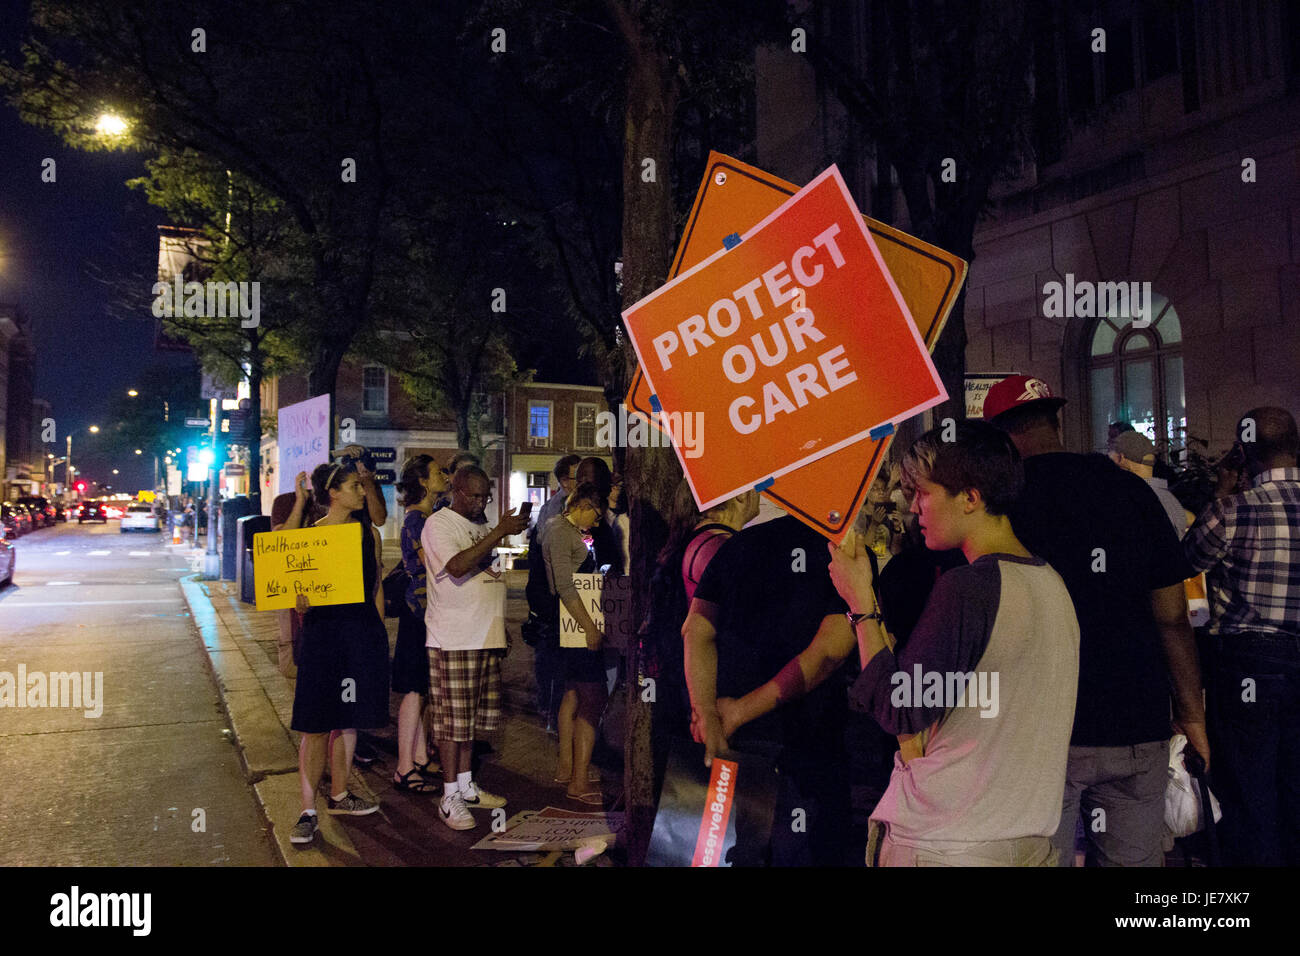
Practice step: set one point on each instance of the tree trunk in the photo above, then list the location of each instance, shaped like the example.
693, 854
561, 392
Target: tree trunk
324, 376
652, 473
253, 426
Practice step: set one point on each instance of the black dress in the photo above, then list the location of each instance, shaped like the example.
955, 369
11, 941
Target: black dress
344, 642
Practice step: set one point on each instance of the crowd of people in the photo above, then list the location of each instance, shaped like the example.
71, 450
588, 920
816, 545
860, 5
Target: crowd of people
1025, 652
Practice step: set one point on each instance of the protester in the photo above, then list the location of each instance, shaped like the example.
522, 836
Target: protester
565, 553
1000, 639
1249, 545
341, 642
547, 664
693, 540
420, 482
1104, 531
765, 606
603, 541
620, 525
465, 622
1135, 453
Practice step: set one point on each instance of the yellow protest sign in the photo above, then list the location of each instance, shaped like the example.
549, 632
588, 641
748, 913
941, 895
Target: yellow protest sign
609, 602
323, 563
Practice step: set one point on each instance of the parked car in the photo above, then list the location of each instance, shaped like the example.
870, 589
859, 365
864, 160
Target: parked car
16, 519
42, 509
60, 513
8, 558
140, 517
92, 511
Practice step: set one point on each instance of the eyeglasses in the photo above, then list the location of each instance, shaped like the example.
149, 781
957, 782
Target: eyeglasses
486, 498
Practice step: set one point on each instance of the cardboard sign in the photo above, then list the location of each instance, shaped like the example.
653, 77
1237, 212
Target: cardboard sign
609, 602
828, 493
303, 438
552, 829
793, 344
323, 563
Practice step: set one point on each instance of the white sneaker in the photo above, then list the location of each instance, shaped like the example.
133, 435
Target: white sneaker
477, 798
454, 813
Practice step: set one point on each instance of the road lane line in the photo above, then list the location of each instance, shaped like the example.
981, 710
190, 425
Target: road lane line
96, 553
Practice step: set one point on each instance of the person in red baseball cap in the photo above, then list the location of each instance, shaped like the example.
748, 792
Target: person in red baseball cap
1018, 391
1107, 535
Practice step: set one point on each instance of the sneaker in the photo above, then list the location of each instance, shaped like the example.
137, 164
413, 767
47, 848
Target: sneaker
304, 831
479, 799
452, 811
351, 805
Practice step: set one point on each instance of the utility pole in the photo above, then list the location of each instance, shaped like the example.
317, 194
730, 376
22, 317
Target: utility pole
211, 559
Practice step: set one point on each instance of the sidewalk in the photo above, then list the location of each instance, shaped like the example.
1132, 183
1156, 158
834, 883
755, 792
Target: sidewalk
520, 764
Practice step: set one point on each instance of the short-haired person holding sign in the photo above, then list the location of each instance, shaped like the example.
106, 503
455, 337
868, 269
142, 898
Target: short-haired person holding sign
989, 674
343, 670
566, 554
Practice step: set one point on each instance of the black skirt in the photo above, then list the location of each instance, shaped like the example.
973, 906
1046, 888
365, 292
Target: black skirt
342, 671
410, 655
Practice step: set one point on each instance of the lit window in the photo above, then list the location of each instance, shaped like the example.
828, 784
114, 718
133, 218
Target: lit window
539, 423
1136, 375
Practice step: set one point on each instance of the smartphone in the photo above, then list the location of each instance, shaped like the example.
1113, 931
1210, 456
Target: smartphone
526, 509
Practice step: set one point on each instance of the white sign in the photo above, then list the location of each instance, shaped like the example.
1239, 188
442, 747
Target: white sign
552, 829
977, 386
303, 438
609, 602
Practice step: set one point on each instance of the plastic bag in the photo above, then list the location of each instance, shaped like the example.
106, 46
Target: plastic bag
1182, 795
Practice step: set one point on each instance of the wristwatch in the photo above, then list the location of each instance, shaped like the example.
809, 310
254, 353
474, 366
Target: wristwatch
855, 618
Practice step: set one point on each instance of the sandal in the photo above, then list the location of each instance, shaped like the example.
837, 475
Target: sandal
430, 771
593, 776
417, 785
593, 798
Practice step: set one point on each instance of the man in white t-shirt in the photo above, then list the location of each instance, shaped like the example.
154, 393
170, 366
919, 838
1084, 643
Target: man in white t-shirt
465, 621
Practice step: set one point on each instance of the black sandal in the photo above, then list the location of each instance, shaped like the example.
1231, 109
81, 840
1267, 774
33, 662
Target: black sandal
432, 776
418, 785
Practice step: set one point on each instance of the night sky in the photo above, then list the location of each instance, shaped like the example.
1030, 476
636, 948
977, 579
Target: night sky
50, 236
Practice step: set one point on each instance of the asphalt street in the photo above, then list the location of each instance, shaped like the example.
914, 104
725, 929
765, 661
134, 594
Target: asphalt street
153, 779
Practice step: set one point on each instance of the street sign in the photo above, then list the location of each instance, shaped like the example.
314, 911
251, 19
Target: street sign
232, 470
385, 476
382, 455
212, 387
828, 493
198, 423
303, 437
807, 347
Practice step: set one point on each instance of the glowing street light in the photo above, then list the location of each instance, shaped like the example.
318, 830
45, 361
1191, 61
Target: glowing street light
115, 471
94, 429
110, 124
132, 392
139, 452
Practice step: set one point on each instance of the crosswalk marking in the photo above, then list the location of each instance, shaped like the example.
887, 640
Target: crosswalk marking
96, 553
14, 605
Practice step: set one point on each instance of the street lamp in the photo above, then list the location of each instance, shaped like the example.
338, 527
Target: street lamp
132, 392
110, 124
94, 429
139, 452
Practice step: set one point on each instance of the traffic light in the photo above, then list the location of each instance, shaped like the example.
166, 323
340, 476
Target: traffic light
81, 486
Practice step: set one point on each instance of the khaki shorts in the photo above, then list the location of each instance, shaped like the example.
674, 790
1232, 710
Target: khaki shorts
1023, 851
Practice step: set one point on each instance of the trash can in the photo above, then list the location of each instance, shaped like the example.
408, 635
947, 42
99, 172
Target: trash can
247, 527
232, 509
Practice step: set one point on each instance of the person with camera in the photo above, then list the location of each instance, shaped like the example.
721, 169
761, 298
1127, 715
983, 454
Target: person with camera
465, 624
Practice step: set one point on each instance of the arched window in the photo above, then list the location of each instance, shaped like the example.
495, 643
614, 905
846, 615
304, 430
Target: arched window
1136, 375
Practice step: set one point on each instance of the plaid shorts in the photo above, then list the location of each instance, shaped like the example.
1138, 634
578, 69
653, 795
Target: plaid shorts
464, 693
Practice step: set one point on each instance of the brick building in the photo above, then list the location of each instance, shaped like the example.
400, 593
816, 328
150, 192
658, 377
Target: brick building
1173, 160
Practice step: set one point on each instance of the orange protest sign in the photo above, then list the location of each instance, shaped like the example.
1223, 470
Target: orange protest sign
791, 344
828, 493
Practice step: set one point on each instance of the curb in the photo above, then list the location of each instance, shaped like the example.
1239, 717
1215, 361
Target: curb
244, 713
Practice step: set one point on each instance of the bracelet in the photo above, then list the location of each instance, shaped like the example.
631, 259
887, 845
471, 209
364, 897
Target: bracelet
855, 618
